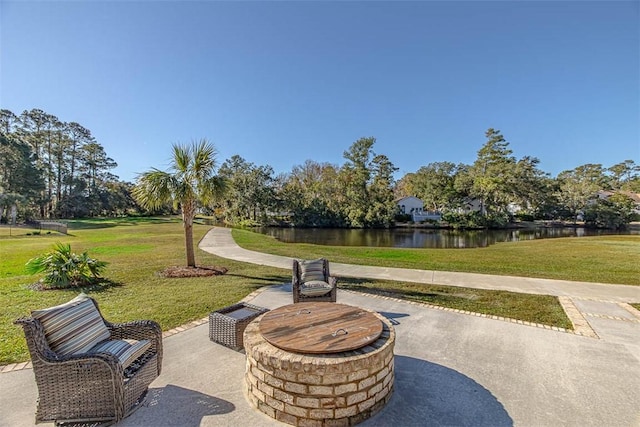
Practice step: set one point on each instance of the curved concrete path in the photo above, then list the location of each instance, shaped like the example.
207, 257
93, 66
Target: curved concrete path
219, 242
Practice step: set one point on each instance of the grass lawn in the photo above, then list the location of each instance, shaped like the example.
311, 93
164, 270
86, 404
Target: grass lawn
137, 249
603, 259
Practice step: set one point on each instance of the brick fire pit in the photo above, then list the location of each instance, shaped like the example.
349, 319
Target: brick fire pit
320, 389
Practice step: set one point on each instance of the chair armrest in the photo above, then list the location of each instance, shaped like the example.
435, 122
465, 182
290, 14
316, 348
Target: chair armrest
137, 330
140, 330
82, 361
333, 281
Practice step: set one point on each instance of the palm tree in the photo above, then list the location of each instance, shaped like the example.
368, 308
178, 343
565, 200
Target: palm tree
190, 183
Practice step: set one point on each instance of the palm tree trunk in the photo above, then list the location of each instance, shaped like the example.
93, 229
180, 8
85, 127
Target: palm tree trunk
188, 213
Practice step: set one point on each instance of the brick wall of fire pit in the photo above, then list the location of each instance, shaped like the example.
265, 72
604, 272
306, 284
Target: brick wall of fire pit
339, 389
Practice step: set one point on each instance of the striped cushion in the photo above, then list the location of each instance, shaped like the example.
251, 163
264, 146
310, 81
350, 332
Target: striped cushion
312, 270
315, 288
125, 350
73, 327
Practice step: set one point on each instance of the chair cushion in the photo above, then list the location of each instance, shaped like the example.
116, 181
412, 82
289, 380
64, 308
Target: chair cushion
125, 350
312, 270
73, 327
315, 288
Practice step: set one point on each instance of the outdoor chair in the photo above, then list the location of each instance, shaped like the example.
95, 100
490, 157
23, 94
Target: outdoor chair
89, 370
312, 281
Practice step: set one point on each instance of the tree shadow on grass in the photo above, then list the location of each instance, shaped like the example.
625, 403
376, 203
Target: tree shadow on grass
88, 224
428, 394
265, 280
172, 405
101, 286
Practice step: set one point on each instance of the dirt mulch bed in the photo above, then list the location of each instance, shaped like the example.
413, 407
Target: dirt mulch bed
198, 271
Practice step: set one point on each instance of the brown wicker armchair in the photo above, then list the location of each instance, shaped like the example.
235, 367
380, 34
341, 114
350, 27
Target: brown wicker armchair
312, 281
102, 384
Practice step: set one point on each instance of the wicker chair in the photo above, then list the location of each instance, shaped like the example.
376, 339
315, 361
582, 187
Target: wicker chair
312, 281
96, 386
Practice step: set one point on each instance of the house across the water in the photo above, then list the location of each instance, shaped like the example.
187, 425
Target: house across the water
415, 207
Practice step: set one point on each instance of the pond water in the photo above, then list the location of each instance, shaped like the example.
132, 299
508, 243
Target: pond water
424, 238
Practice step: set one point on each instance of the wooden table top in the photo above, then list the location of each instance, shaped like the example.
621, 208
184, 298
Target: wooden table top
320, 327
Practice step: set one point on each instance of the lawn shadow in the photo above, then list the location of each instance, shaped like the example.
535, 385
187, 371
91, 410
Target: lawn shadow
88, 224
101, 286
268, 280
426, 393
172, 405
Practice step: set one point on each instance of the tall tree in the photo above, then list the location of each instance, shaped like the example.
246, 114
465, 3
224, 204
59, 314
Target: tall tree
493, 173
405, 186
34, 123
368, 182
9, 122
356, 175
79, 136
624, 175
434, 184
580, 185
311, 194
191, 182
530, 186
249, 189
381, 208
18, 173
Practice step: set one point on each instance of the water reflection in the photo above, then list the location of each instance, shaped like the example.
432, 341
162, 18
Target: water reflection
423, 238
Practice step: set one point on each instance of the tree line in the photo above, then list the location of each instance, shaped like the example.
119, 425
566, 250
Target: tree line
54, 169
502, 185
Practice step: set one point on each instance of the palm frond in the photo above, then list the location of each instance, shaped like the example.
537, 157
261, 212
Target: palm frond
204, 159
212, 190
154, 189
181, 161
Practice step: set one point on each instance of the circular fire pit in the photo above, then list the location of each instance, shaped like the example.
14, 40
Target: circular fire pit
346, 379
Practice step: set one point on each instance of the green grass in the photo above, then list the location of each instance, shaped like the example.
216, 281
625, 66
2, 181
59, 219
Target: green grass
137, 249
603, 259
543, 309
136, 252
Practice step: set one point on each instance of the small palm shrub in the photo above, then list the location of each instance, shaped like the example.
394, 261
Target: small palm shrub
65, 269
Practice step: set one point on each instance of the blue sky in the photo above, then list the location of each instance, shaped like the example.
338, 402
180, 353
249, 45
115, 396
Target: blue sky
282, 82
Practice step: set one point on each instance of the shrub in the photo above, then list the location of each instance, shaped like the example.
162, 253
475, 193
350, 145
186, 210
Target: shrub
525, 216
65, 269
614, 213
404, 217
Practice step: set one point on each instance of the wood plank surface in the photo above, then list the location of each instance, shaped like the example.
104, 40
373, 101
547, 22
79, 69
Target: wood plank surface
320, 327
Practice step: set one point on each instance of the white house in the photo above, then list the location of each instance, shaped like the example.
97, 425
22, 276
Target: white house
410, 204
415, 207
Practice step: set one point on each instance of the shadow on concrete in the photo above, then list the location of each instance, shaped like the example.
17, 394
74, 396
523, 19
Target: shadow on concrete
427, 394
393, 316
172, 405
285, 287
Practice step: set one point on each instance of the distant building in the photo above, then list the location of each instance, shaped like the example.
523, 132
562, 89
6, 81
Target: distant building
410, 204
415, 207
605, 194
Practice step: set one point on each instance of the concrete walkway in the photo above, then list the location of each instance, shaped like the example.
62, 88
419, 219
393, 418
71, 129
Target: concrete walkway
451, 368
220, 242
